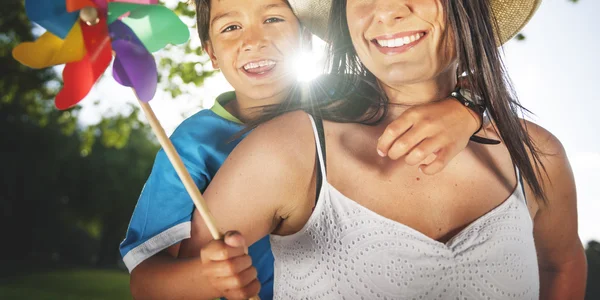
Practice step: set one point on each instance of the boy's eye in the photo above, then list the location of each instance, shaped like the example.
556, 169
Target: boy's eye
231, 28
273, 20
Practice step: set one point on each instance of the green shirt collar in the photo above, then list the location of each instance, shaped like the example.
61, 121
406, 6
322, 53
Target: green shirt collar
219, 107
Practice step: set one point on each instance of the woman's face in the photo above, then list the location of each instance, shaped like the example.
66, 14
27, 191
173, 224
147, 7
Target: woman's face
401, 41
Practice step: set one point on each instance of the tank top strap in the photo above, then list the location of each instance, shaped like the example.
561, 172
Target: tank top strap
520, 184
317, 124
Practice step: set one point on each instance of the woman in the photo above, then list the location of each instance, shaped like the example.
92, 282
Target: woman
374, 228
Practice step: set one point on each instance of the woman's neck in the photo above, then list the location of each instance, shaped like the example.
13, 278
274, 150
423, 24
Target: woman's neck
402, 97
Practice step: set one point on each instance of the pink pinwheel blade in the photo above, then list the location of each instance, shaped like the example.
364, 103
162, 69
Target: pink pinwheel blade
102, 5
134, 66
79, 77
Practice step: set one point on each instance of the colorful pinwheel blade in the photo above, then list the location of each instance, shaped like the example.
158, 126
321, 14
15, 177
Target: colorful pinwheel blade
79, 77
155, 25
75, 5
50, 50
102, 5
52, 15
134, 66
117, 11
138, 1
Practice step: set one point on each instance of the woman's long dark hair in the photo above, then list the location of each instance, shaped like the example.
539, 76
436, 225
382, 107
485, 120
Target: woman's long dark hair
350, 92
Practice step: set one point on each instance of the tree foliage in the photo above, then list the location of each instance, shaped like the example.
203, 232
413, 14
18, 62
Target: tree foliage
62, 195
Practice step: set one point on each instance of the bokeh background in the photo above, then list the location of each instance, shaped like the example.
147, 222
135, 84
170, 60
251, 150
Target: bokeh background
70, 179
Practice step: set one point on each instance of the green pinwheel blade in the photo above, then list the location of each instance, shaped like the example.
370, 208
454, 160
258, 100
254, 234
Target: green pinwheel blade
117, 9
155, 25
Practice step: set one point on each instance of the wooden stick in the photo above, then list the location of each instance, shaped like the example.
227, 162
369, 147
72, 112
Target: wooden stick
183, 173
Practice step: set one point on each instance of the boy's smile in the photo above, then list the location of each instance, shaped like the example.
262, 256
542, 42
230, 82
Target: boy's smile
259, 68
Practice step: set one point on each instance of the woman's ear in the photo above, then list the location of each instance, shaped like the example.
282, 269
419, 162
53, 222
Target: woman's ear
208, 48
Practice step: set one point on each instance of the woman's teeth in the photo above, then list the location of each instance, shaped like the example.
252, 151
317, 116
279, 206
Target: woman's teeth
258, 64
399, 42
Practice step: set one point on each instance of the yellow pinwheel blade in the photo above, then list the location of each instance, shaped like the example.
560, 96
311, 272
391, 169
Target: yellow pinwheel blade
50, 50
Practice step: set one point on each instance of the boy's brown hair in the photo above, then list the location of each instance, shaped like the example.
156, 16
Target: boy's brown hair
202, 19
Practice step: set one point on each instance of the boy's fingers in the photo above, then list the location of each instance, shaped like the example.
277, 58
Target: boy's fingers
244, 293
227, 268
443, 157
391, 133
409, 140
422, 151
234, 239
218, 251
238, 281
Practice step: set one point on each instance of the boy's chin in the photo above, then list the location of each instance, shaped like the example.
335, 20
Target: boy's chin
272, 93
265, 93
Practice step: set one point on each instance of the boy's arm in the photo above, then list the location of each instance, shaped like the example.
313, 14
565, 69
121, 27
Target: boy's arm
162, 220
163, 276
442, 129
162, 216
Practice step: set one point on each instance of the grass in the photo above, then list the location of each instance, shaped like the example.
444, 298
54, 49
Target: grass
67, 285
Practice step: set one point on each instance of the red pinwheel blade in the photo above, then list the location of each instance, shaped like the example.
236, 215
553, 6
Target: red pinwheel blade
75, 5
79, 77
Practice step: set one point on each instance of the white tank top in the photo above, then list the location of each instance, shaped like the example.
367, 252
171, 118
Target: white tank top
346, 251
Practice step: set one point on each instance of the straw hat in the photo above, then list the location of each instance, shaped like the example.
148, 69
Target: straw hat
511, 15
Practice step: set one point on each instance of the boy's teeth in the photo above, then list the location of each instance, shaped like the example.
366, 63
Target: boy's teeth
258, 64
399, 42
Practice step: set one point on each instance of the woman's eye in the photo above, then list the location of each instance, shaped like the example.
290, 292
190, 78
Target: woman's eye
273, 20
231, 28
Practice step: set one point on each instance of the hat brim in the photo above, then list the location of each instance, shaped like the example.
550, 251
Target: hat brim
511, 15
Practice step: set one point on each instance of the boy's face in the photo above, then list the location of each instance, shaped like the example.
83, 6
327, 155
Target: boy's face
252, 42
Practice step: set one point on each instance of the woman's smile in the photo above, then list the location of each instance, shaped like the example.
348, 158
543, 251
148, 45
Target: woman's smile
399, 42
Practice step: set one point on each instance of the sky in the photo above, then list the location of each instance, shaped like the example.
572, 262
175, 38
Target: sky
556, 72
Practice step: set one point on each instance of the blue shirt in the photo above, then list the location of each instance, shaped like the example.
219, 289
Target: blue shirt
162, 216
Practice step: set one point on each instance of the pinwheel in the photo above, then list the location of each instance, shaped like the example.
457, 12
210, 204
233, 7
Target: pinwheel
84, 34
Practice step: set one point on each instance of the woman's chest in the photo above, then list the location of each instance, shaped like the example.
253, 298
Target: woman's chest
437, 206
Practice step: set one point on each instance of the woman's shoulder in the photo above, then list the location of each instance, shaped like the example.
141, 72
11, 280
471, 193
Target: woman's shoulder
546, 143
288, 139
555, 173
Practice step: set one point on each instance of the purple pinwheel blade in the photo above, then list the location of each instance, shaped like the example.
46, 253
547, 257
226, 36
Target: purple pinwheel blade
134, 66
119, 73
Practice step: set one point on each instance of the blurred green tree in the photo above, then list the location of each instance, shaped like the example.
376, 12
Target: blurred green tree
59, 200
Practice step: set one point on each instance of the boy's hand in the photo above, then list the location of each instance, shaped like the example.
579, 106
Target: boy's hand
441, 128
229, 268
